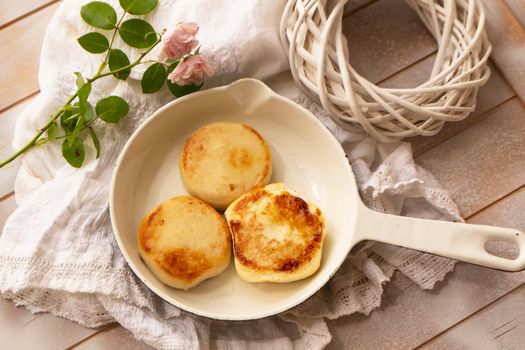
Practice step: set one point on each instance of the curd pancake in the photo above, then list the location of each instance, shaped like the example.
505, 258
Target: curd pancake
222, 161
277, 236
184, 241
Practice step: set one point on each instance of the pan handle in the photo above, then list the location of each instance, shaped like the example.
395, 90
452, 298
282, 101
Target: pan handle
458, 241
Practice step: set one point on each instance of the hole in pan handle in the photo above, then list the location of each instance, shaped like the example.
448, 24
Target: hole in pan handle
465, 242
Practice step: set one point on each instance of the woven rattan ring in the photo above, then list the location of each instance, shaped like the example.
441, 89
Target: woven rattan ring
311, 32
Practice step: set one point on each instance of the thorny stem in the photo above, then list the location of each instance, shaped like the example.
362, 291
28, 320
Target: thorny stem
97, 76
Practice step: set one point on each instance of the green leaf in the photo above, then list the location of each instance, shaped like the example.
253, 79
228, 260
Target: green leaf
153, 78
118, 59
78, 127
80, 80
68, 120
73, 151
52, 132
137, 33
138, 7
112, 109
180, 91
94, 42
89, 113
40, 142
74, 106
84, 92
96, 142
99, 15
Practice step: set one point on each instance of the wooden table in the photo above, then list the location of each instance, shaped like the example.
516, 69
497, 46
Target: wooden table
480, 160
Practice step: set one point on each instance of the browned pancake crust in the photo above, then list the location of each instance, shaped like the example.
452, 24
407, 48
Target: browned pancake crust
238, 158
183, 263
259, 253
194, 151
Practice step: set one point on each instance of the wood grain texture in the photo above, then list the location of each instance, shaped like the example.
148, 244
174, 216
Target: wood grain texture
411, 76
7, 206
488, 324
469, 288
483, 163
499, 326
376, 34
495, 92
356, 5
508, 40
517, 8
509, 212
10, 13
23, 330
506, 212
116, 338
409, 316
20, 55
7, 129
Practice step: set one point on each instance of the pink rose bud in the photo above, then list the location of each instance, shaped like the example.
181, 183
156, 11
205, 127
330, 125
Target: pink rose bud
193, 70
180, 41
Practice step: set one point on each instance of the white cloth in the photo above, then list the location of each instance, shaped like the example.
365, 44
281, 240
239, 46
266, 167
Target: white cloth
58, 253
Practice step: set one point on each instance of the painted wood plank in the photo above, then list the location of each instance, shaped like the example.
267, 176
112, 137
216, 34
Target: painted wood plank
356, 5
9, 12
493, 93
347, 330
7, 123
409, 316
22, 330
412, 76
506, 212
385, 37
518, 10
116, 338
12, 315
508, 40
20, 54
483, 163
499, 326
7, 206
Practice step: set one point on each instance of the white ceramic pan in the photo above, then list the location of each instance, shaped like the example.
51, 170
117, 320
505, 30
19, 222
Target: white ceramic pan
308, 159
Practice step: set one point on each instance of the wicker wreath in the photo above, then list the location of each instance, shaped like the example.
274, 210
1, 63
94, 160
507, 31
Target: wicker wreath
311, 32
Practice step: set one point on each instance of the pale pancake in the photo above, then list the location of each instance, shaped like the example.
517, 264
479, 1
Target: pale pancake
277, 236
184, 241
222, 161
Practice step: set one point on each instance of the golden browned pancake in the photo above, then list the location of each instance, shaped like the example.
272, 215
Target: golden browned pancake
184, 241
277, 236
221, 161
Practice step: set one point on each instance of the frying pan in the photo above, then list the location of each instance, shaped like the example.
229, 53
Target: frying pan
309, 160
